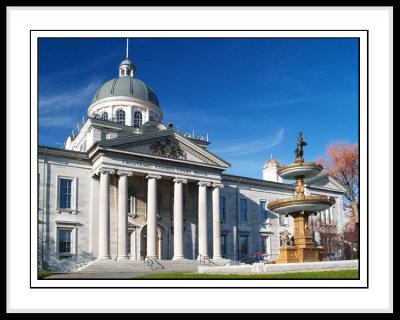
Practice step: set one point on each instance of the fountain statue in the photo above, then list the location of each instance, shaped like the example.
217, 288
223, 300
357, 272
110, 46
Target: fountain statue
300, 207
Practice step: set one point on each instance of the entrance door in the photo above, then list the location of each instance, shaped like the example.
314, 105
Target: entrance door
143, 242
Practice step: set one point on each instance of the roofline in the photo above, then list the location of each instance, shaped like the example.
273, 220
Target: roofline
257, 181
330, 178
311, 187
77, 155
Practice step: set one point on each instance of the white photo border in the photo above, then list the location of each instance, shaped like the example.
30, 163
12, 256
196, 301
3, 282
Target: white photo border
20, 42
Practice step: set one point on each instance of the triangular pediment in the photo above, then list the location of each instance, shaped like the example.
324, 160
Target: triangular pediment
326, 181
165, 144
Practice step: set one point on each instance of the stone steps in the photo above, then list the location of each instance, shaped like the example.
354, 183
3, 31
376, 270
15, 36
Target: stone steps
140, 266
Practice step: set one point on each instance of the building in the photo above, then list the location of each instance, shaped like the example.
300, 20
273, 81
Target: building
127, 186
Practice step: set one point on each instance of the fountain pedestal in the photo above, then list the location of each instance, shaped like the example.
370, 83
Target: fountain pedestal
304, 249
296, 255
300, 207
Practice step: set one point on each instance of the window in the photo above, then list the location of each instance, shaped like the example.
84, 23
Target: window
223, 245
244, 245
65, 193
263, 212
104, 115
64, 241
120, 115
222, 208
265, 247
137, 119
243, 210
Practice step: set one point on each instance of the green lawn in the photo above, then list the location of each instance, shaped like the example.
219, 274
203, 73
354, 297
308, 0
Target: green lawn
43, 274
338, 274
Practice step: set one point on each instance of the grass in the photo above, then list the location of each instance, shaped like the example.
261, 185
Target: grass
43, 274
337, 274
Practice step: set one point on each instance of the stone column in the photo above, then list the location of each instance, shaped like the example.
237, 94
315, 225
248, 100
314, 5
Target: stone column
203, 218
216, 221
123, 214
178, 218
104, 213
152, 215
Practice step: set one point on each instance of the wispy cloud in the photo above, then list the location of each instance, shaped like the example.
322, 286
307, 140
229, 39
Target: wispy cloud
67, 99
57, 121
86, 68
252, 146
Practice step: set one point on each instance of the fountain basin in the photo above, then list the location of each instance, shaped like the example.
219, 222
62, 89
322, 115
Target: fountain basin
305, 169
306, 204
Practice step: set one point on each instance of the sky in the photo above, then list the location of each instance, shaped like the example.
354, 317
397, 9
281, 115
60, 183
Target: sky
251, 96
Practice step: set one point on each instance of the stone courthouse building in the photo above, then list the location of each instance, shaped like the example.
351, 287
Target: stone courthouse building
126, 186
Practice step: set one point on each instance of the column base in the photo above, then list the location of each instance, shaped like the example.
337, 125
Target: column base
217, 258
179, 258
122, 258
104, 258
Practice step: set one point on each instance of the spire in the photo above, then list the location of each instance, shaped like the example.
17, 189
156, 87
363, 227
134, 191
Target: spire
127, 49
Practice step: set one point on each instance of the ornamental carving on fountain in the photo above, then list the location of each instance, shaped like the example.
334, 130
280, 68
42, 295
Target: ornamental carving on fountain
168, 149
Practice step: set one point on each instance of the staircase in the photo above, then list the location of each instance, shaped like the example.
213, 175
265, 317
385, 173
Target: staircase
147, 266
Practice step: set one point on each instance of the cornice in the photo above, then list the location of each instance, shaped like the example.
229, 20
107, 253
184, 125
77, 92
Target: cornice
158, 160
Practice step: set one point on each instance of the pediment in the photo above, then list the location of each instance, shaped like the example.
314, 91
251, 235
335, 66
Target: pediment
326, 181
169, 145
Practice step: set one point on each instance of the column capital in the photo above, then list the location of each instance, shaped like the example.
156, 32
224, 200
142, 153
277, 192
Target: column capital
106, 170
180, 180
124, 173
217, 185
204, 183
153, 176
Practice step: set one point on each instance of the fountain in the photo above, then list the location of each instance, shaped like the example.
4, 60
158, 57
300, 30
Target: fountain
300, 207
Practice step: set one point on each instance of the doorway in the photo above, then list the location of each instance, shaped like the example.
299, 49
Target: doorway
159, 242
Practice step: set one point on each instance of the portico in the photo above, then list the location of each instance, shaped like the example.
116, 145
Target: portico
172, 187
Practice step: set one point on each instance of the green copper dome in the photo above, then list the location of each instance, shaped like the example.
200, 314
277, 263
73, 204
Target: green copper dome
127, 87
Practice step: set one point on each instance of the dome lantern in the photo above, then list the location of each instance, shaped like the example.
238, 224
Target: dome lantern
127, 68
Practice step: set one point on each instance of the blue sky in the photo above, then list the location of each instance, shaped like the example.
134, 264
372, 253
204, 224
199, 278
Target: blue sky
252, 96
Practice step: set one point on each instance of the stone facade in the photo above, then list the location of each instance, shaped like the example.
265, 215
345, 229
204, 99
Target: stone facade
83, 218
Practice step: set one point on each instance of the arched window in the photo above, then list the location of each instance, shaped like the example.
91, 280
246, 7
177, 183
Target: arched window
104, 116
120, 115
137, 119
